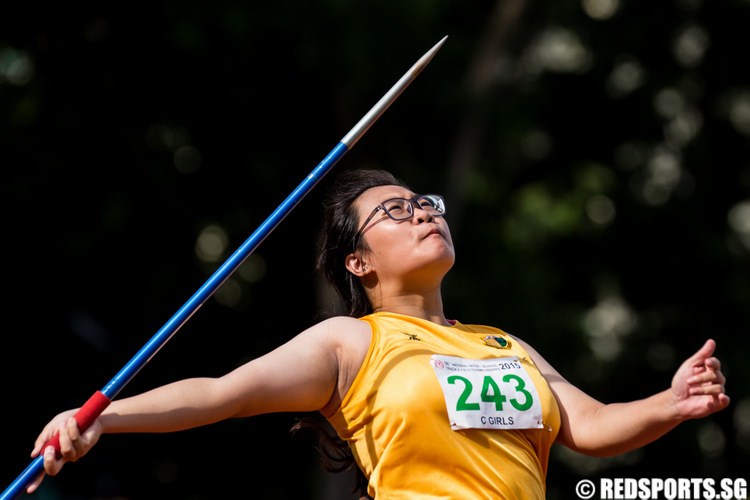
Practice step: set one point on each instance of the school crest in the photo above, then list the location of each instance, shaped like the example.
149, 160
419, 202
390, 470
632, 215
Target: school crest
496, 342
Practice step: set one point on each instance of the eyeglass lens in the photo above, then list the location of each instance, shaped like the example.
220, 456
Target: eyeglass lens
401, 208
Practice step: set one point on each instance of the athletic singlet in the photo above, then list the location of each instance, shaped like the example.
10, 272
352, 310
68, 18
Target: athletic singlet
395, 416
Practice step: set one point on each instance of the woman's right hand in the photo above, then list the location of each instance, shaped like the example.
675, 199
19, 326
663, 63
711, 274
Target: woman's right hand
73, 444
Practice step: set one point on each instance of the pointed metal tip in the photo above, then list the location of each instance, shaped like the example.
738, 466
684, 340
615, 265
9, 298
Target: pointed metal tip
360, 128
431, 53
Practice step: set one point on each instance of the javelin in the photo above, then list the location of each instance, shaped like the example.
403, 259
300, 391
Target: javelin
89, 412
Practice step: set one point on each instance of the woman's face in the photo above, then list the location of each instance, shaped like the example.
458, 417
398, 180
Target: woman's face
420, 246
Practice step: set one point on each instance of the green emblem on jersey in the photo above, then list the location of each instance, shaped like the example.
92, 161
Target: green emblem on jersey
496, 342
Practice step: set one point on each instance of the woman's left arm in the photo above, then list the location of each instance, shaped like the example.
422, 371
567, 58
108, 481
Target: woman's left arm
593, 428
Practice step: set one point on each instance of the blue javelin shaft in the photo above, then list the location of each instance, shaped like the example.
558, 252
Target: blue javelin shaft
171, 327
217, 279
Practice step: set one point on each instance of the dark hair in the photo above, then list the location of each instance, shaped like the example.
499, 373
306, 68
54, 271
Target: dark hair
336, 456
340, 227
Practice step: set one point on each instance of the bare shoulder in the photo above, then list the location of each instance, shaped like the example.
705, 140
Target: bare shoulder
339, 340
307, 373
347, 326
568, 396
349, 336
335, 330
546, 369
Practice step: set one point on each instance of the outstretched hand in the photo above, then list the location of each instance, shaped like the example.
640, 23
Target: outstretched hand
698, 385
73, 444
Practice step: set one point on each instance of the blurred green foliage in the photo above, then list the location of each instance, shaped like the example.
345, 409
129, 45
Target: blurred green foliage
593, 155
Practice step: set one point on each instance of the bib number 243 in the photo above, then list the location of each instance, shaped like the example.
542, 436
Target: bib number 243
488, 393
491, 393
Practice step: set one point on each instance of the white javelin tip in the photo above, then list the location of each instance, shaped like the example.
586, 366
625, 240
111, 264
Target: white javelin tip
364, 124
431, 53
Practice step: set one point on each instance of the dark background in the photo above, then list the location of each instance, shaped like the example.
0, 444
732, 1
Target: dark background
593, 155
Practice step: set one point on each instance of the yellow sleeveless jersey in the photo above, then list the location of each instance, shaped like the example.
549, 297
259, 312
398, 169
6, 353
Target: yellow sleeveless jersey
395, 416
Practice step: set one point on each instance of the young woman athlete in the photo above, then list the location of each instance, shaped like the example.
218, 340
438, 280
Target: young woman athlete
429, 407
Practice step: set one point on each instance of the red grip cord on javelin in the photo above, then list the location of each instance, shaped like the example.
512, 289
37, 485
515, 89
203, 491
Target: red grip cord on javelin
84, 417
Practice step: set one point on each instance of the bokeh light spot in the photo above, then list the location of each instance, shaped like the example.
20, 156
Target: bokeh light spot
601, 210
627, 76
187, 159
690, 46
16, 66
711, 440
211, 244
601, 10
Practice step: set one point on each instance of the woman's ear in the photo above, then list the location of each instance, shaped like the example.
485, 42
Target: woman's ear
356, 265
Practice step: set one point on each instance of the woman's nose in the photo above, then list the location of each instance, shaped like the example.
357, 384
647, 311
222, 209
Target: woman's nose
420, 215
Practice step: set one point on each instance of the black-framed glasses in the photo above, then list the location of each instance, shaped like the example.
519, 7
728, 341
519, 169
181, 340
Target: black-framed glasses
400, 209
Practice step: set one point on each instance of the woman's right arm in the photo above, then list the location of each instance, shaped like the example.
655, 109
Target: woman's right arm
300, 375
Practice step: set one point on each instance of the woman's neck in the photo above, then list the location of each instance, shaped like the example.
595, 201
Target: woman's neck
428, 307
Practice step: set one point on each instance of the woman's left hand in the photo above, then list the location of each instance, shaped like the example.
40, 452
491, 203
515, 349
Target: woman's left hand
698, 385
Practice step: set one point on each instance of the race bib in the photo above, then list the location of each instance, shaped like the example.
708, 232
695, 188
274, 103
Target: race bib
488, 393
